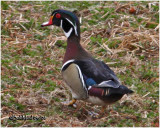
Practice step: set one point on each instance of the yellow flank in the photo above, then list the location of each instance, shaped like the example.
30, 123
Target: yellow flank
72, 78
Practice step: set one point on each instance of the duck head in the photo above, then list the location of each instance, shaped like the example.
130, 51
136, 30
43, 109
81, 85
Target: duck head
67, 20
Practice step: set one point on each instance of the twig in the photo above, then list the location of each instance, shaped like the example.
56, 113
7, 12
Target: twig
146, 94
24, 27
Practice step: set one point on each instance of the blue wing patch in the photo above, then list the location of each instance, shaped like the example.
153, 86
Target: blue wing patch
90, 82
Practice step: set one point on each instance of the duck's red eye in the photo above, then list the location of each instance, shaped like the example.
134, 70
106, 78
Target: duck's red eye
58, 15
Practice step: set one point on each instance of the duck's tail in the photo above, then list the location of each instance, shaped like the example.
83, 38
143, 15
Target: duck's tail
121, 90
125, 90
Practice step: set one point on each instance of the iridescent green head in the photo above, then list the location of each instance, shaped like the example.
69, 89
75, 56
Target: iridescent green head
67, 20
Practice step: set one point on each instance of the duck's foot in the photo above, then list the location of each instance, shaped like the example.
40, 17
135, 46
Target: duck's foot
93, 114
114, 112
70, 103
97, 115
103, 110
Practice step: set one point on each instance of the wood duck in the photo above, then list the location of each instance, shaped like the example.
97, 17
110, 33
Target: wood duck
89, 79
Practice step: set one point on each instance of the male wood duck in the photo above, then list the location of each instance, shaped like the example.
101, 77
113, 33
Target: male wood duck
89, 79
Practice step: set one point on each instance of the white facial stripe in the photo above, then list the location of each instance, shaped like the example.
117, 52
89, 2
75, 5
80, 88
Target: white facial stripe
61, 23
69, 61
81, 77
75, 26
69, 21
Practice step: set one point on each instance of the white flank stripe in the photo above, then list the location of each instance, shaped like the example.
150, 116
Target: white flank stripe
89, 87
81, 77
67, 62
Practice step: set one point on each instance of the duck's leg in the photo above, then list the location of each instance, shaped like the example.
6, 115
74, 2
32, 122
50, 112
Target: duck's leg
69, 103
72, 102
103, 109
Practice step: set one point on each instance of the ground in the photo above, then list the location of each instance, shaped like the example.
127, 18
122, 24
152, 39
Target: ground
122, 34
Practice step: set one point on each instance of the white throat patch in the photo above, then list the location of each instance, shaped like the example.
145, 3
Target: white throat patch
67, 34
75, 26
